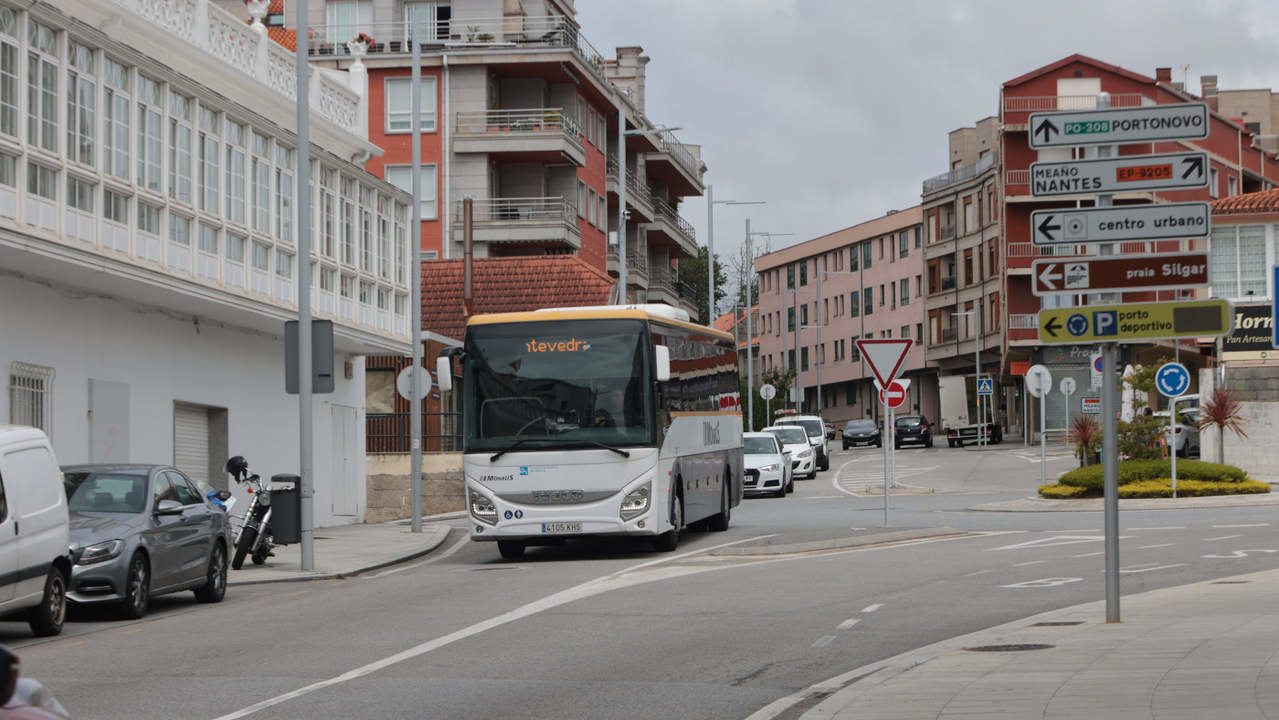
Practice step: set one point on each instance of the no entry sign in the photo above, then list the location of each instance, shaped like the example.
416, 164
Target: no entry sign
894, 396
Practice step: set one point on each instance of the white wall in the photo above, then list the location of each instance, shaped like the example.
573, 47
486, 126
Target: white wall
164, 359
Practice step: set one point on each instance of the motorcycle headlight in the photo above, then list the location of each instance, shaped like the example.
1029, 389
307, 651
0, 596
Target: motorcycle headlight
636, 501
100, 552
483, 509
768, 468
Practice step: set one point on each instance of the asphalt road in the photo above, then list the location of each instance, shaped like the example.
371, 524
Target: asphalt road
610, 630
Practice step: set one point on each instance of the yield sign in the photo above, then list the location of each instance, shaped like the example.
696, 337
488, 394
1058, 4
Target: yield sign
885, 357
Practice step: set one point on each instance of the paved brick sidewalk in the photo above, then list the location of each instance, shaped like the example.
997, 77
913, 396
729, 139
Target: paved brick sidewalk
343, 551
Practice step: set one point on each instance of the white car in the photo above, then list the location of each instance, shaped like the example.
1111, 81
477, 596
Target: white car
803, 458
815, 426
1185, 438
767, 465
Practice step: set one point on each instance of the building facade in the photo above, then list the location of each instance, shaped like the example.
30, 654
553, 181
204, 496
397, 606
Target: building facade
822, 295
521, 114
149, 249
1238, 164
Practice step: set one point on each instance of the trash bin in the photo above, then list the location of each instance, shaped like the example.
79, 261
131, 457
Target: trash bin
286, 510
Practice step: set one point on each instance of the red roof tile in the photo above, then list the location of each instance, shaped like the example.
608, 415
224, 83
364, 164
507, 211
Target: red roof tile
1266, 201
287, 38
508, 284
1087, 61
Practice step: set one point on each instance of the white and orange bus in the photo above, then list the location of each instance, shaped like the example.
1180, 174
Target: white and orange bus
615, 420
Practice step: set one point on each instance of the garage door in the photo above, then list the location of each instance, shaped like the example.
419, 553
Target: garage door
191, 441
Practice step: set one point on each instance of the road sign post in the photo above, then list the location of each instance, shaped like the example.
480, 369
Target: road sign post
1172, 380
1166, 271
768, 392
1094, 370
1110, 478
886, 357
1164, 221
1039, 382
1067, 388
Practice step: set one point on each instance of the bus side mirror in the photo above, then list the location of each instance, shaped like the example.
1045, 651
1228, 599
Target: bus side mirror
444, 373
662, 356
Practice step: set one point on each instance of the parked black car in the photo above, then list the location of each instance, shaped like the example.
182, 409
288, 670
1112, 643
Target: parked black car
912, 429
861, 432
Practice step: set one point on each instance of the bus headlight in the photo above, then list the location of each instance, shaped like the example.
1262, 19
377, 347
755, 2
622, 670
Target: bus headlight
483, 509
636, 501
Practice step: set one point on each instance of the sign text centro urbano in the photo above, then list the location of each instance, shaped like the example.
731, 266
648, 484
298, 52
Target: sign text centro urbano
1118, 126
1135, 321
1162, 221
1129, 173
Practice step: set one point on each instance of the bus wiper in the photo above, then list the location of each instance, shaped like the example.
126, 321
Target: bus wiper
512, 446
619, 451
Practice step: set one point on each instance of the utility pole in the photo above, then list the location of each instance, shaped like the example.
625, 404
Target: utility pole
306, 473
749, 271
415, 298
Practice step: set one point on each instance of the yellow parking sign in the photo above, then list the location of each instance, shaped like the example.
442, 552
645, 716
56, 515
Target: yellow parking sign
1135, 321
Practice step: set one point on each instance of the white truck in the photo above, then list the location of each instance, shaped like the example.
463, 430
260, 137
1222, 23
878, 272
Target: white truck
959, 413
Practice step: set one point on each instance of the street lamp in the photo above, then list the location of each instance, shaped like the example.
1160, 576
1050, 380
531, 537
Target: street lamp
622, 132
710, 246
975, 312
750, 333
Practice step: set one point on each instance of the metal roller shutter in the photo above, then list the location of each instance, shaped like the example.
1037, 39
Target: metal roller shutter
1056, 408
191, 441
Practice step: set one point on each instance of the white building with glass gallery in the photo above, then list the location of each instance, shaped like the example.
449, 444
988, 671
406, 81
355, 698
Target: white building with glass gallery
148, 242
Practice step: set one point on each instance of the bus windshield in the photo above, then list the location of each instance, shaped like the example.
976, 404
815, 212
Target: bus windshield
557, 384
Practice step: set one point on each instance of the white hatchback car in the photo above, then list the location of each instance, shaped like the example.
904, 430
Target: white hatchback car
767, 465
803, 458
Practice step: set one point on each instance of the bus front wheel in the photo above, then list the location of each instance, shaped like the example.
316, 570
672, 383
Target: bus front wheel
719, 523
669, 540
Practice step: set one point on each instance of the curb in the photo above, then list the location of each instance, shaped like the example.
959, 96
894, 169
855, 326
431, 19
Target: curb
838, 543
1133, 504
433, 544
825, 699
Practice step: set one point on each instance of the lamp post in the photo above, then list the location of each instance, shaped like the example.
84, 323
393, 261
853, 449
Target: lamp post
710, 246
976, 313
622, 212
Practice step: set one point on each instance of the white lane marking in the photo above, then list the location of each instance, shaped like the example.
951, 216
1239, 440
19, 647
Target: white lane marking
1093, 554
1043, 583
872, 608
1052, 541
1077, 530
825, 497
1223, 537
847, 623
1237, 554
1151, 547
823, 641
1162, 527
1243, 525
589, 588
1032, 562
1150, 569
979, 572
452, 549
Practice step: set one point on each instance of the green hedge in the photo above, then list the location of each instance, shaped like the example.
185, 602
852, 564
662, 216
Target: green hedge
1131, 471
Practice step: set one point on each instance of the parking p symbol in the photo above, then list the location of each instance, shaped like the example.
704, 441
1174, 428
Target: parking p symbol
1105, 323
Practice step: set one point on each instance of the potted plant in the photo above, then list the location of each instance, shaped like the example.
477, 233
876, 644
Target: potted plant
363, 39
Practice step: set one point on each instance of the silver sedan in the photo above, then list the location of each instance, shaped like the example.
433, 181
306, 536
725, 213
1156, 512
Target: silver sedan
143, 530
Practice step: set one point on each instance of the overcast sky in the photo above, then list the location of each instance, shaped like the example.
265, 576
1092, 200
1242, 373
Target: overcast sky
835, 111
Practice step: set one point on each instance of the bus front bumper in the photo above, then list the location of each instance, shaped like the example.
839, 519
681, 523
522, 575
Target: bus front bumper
533, 522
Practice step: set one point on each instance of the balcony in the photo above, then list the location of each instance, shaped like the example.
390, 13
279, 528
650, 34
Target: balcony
663, 285
947, 232
676, 164
668, 219
959, 174
636, 266
638, 196
948, 283
1020, 255
540, 220
523, 33
949, 335
1023, 321
544, 134
1048, 103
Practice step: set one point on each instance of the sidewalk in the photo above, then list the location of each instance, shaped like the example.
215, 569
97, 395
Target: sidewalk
1039, 504
345, 550
1205, 650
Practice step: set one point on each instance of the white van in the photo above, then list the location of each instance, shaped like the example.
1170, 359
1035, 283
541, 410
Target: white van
35, 560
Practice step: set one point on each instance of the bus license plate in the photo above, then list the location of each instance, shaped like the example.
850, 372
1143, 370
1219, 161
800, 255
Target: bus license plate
562, 527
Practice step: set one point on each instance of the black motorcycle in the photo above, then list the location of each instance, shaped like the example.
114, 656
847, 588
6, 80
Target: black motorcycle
254, 538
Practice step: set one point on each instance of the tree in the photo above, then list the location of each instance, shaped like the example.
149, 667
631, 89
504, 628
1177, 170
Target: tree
1222, 411
741, 268
692, 272
781, 380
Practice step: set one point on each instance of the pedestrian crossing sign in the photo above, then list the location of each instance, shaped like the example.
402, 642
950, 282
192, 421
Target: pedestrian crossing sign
985, 387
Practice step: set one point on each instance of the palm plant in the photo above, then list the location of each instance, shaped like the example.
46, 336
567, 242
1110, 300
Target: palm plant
1222, 411
1085, 435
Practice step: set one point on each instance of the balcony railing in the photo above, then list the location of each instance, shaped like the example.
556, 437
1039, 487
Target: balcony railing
1017, 177
666, 210
948, 232
517, 121
636, 261
515, 209
1023, 321
949, 335
1044, 103
959, 174
635, 188
948, 283
673, 147
1028, 250
522, 32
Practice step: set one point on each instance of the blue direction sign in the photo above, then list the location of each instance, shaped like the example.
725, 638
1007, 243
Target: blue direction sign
985, 387
1173, 379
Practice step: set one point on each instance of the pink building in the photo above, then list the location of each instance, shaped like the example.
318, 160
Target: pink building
870, 286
